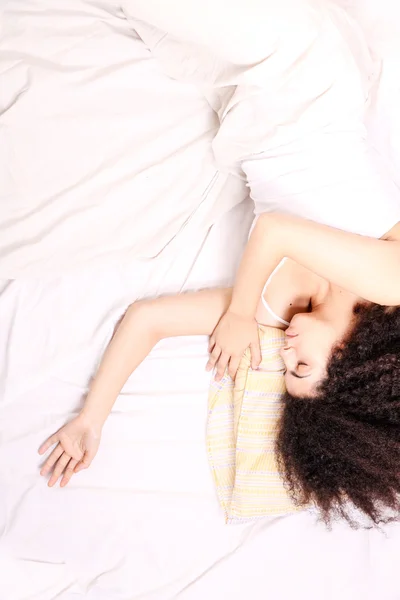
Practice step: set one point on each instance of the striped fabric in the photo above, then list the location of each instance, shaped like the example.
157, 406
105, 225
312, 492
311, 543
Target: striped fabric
241, 430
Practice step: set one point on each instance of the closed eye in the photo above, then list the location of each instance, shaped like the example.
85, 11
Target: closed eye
299, 364
299, 376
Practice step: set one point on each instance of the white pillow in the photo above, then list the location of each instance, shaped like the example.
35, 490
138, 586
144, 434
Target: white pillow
295, 65
210, 35
231, 51
241, 32
290, 81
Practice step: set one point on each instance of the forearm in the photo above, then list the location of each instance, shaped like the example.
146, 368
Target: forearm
144, 324
366, 267
132, 342
261, 255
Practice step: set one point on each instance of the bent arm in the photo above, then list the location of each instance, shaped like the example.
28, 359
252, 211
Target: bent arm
366, 267
144, 324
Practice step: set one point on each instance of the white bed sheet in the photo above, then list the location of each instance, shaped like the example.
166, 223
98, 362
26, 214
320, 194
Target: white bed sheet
144, 522
94, 138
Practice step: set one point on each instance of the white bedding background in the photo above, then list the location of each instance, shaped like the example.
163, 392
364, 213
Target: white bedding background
97, 144
380, 20
97, 115
143, 521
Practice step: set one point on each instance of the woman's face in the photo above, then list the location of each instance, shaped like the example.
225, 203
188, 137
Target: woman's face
310, 339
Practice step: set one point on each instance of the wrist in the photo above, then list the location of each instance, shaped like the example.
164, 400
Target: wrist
92, 419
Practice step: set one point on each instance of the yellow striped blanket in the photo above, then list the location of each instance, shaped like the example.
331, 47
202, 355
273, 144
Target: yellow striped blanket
241, 430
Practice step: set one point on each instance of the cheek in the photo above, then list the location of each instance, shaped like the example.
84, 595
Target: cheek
321, 355
315, 347
307, 326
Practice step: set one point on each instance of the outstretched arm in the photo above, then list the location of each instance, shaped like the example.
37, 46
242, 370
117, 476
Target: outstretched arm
144, 324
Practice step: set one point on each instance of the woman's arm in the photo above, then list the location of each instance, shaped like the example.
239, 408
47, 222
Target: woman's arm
366, 267
145, 323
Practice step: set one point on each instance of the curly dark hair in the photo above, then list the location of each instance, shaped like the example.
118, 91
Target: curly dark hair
340, 450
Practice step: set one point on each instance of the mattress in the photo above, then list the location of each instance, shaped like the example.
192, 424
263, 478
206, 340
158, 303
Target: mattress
144, 521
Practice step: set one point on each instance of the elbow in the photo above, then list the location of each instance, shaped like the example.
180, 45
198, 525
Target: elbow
270, 222
142, 317
262, 225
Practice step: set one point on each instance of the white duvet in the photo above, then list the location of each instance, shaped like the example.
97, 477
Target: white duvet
105, 158
102, 156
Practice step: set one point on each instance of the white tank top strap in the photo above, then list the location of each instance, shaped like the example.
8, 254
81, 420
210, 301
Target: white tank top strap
265, 303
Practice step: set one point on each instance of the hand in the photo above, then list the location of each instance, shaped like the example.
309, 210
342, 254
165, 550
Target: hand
77, 443
229, 340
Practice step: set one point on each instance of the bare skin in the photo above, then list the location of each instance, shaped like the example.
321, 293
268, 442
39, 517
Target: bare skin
316, 291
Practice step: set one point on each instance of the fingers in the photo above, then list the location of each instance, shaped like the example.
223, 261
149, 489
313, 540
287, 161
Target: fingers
48, 443
51, 461
211, 344
69, 471
220, 361
255, 354
222, 365
233, 366
59, 468
84, 463
214, 357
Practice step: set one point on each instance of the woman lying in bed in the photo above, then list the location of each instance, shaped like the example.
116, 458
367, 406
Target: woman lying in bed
337, 296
